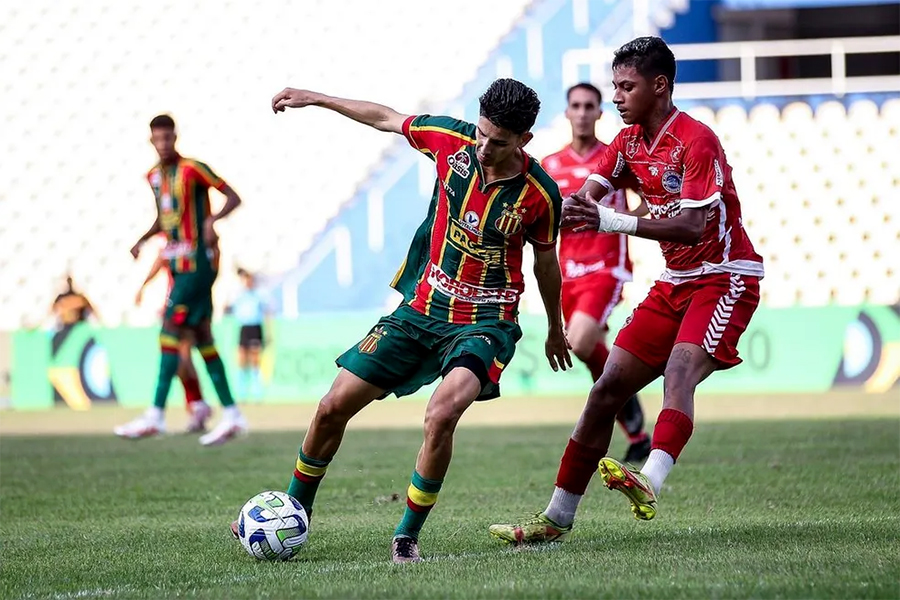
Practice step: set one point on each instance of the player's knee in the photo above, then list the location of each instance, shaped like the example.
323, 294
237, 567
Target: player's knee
332, 410
582, 347
609, 392
441, 418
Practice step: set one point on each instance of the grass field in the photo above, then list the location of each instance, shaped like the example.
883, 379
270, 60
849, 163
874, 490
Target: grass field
754, 509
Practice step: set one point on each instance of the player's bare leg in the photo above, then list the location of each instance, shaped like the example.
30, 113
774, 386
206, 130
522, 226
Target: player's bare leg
587, 337
623, 376
198, 410
454, 395
348, 395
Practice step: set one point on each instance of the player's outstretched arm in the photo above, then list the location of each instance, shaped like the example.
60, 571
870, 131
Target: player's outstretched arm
374, 115
585, 213
549, 280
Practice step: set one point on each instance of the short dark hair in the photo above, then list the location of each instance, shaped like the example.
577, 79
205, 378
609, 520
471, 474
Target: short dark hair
510, 104
162, 122
650, 56
585, 86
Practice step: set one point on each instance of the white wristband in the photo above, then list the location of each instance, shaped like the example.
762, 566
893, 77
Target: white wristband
616, 222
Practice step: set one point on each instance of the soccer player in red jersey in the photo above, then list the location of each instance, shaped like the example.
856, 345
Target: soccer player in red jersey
461, 283
689, 324
594, 265
198, 410
181, 187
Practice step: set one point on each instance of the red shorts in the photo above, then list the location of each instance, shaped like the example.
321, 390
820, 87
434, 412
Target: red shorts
711, 312
596, 295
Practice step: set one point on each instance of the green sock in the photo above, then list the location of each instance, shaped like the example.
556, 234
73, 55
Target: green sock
308, 473
168, 366
216, 369
420, 498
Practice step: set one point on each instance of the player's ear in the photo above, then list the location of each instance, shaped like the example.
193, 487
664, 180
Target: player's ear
525, 138
660, 85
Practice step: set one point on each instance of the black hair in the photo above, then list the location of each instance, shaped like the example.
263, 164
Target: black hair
650, 56
162, 122
510, 104
585, 86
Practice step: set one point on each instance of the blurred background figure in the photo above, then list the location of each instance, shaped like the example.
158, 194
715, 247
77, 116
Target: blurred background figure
71, 307
250, 309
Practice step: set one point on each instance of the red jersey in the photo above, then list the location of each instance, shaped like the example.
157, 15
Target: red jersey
684, 167
587, 252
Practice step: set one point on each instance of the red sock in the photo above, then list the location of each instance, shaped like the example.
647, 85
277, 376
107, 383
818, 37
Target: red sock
672, 432
191, 389
578, 465
597, 360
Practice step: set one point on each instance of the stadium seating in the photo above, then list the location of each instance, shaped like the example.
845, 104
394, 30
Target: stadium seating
818, 182
75, 125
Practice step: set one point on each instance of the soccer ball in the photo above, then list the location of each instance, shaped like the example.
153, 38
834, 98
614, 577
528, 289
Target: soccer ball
272, 526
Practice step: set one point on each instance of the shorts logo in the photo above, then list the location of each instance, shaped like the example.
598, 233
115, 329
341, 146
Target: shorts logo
370, 343
632, 146
620, 165
460, 163
671, 182
510, 221
676, 153
720, 178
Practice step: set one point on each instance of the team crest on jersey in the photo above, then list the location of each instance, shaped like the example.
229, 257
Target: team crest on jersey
510, 220
676, 153
671, 182
460, 163
720, 177
370, 343
620, 165
654, 170
632, 146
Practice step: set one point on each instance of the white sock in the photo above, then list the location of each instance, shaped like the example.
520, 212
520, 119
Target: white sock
155, 413
231, 412
562, 507
657, 467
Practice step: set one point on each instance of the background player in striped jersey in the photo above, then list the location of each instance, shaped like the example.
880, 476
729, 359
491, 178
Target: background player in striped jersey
181, 187
198, 410
689, 324
461, 284
594, 265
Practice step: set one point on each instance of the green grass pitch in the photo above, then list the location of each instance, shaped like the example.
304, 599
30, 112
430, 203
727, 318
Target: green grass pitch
794, 509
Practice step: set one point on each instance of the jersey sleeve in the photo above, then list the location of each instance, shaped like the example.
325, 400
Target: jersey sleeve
431, 135
543, 229
703, 174
611, 171
207, 177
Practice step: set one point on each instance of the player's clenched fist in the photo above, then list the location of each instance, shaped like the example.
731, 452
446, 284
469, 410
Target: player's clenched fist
293, 98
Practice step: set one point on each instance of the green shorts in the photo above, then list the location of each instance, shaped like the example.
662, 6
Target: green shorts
407, 350
190, 299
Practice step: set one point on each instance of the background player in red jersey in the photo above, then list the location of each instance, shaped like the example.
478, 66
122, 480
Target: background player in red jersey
689, 324
198, 410
594, 265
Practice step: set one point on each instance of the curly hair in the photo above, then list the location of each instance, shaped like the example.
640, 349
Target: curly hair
510, 104
650, 56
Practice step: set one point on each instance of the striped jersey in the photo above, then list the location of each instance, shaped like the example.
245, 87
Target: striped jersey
182, 202
465, 261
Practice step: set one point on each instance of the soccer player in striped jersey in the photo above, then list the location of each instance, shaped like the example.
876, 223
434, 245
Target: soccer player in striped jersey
198, 410
181, 187
689, 324
461, 283
595, 265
